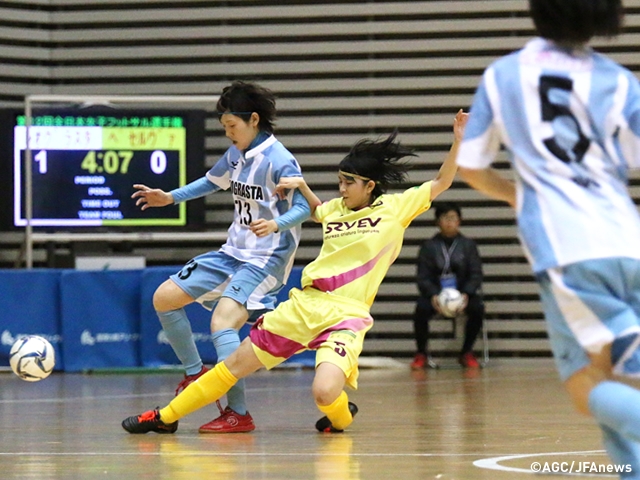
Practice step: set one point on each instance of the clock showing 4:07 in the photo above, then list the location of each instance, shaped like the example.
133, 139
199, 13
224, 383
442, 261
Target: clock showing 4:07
84, 175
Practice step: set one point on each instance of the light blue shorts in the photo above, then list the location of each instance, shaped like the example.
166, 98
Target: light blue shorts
213, 275
588, 305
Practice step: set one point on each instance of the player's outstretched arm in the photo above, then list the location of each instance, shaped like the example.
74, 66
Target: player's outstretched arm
447, 171
151, 197
287, 183
491, 183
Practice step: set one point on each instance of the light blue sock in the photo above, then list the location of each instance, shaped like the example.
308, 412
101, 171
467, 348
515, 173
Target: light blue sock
177, 327
226, 342
616, 407
623, 452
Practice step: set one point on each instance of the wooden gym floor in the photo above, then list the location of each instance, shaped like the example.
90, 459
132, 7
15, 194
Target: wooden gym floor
435, 424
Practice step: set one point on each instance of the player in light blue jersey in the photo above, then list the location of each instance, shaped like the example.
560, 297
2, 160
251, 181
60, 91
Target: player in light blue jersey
569, 119
240, 281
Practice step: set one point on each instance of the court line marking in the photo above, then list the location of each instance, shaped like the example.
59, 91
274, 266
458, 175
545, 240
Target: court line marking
493, 463
243, 454
485, 463
256, 389
72, 399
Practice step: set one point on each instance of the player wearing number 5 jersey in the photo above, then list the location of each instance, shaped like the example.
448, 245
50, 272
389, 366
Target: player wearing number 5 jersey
240, 281
570, 121
362, 235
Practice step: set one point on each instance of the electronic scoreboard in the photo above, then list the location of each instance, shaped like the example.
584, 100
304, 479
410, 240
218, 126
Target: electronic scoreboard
84, 166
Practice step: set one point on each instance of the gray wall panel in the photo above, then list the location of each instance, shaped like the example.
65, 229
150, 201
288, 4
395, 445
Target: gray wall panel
342, 70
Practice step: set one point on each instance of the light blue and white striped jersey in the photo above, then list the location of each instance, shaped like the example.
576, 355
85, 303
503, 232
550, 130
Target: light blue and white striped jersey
570, 122
252, 178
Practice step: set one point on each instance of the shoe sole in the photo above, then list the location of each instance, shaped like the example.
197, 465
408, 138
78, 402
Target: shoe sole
133, 430
234, 430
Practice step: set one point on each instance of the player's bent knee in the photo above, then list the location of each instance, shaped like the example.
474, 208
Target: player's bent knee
168, 296
219, 322
328, 383
159, 301
325, 396
581, 403
228, 314
580, 384
326, 392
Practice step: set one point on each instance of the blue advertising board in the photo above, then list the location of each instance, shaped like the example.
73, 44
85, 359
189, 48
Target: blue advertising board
30, 305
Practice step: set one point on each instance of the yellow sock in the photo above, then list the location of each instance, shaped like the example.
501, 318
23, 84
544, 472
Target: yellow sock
338, 412
207, 389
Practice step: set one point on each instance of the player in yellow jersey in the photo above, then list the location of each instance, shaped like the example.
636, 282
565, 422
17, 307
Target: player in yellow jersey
363, 234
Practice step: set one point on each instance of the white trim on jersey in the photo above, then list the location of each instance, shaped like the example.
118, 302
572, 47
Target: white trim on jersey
262, 147
222, 182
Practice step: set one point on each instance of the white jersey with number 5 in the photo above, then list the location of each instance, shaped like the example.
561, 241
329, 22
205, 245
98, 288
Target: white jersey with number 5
570, 122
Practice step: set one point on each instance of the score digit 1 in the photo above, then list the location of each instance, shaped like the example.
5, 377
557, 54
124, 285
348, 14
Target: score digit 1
41, 158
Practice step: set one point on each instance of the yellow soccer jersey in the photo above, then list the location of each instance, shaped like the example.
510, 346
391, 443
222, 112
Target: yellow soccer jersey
359, 246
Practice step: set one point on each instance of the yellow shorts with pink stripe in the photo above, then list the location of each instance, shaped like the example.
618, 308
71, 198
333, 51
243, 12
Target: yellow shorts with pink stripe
332, 325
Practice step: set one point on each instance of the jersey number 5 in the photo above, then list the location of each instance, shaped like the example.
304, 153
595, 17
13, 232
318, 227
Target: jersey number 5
553, 90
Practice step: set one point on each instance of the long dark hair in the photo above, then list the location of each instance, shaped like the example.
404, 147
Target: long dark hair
378, 161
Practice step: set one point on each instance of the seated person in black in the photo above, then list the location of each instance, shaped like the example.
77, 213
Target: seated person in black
449, 259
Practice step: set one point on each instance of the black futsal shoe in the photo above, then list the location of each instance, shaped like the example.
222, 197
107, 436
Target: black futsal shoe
148, 422
324, 424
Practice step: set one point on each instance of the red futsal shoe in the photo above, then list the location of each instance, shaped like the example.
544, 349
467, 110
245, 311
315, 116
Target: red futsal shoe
229, 421
419, 361
468, 360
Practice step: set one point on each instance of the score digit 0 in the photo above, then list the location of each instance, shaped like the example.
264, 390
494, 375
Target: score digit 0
158, 162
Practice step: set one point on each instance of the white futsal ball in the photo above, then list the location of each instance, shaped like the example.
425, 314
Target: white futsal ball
32, 358
450, 302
